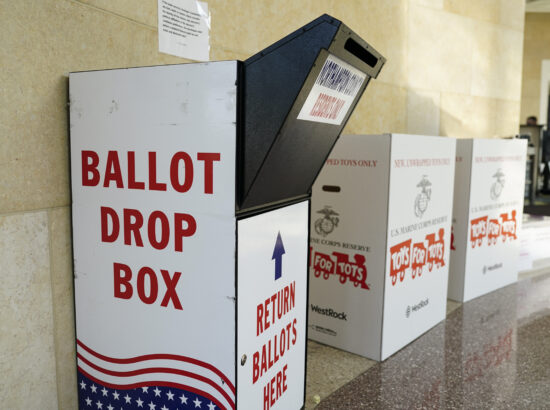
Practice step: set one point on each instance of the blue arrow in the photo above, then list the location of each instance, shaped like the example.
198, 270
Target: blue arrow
278, 253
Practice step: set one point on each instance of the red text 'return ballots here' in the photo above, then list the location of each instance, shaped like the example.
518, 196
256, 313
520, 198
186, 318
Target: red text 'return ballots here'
271, 315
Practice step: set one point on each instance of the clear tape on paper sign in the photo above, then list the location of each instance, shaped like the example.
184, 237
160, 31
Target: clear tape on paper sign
184, 29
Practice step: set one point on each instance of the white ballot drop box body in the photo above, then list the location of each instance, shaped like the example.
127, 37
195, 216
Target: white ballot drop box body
380, 230
487, 214
159, 306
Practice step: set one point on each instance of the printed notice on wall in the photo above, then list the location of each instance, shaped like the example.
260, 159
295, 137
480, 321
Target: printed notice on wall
184, 27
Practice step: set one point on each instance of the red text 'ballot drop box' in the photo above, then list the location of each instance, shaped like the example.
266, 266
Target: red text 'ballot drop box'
380, 230
487, 214
190, 220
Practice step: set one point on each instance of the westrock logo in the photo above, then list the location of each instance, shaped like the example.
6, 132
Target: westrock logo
326, 224
423, 198
498, 185
417, 307
492, 267
329, 312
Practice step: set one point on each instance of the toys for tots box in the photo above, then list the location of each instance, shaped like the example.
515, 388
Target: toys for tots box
380, 231
487, 214
190, 221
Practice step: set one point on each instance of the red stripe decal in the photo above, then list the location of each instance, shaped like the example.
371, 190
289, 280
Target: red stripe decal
159, 370
159, 356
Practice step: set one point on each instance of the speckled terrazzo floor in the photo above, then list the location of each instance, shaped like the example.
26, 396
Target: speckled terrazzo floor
490, 353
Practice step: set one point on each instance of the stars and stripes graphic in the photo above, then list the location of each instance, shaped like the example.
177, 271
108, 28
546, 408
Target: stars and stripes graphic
151, 382
95, 396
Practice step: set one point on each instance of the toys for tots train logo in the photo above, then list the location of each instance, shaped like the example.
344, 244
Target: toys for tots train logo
339, 263
503, 226
498, 185
423, 198
408, 256
326, 223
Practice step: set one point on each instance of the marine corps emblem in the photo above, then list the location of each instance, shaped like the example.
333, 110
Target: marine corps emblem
422, 199
498, 185
326, 224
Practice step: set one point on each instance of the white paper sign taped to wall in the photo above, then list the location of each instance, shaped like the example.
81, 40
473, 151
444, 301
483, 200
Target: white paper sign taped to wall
184, 29
333, 92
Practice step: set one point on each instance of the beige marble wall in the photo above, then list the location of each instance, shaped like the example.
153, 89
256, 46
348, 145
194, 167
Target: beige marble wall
27, 360
536, 47
464, 67
454, 68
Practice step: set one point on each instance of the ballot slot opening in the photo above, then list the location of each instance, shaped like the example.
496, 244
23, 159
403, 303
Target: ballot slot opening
274, 133
331, 188
360, 52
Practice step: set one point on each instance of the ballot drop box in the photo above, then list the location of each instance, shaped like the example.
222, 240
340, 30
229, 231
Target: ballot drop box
190, 188
487, 214
380, 230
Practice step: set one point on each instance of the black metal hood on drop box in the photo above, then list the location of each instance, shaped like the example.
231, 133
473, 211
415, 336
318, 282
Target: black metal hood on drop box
290, 116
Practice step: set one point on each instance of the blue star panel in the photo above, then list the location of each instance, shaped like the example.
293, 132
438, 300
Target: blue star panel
92, 395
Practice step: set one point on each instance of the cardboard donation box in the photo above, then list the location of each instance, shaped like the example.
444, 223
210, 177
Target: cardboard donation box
380, 230
191, 187
487, 214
